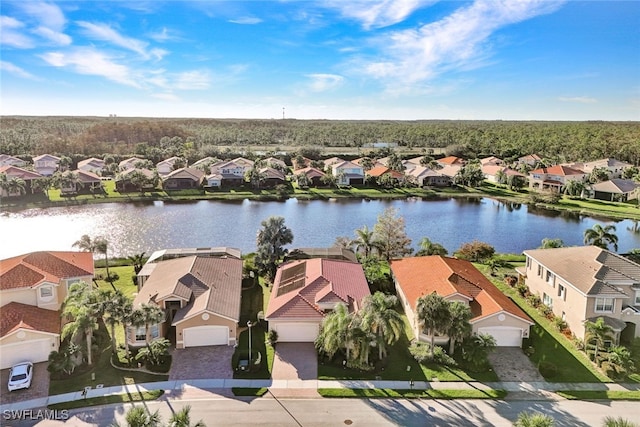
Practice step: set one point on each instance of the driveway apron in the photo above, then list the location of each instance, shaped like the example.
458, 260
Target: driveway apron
511, 364
206, 362
295, 361
39, 385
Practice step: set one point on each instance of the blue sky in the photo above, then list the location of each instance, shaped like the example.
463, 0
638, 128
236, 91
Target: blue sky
332, 59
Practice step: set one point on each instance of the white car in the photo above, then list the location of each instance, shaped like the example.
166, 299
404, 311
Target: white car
20, 376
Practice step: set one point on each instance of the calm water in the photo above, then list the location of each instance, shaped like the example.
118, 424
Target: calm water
133, 228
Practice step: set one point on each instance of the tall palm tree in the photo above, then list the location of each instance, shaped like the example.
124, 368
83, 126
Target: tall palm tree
596, 333
271, 239
182, 418
101, 245
333, 335
139, 416
380, 317
16, 186
433, 313
152, 314
84, 317
601, 236
117, 308
138, 261
459, 326
427, 247
365, 240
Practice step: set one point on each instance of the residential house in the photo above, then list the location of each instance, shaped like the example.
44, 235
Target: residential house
275, 163
333, 252
29, 178
458, 280
46, 164
183, 178
491, 160
231, 172
492, 172
7, 160
426, 177
201, 299
214, 180
615, 167
166, 166
32, 289
450, 170
314, 175
583, 283
130, 163
86, 183
272, 177
531, 160
379, 171
304, 291
209, 161
348, 173
374, 162
331, 161
554, 178
93, 165
615, 190
451, 161
129, 180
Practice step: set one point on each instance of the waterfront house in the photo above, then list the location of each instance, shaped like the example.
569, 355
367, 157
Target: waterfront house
583, 283
46, 164
29, 178
377, 172
130, 163
426, 177
314, 175
84, 183
348, 173
7, 160
615, 167
33, 287
615, 190
93, 165
272, 177
200, 296
458, 280
304, 291
183, 178
167, 166
231, 173
492, 172
554, 178
135, 179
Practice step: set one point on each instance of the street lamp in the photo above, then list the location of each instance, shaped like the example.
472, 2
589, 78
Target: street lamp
249, 325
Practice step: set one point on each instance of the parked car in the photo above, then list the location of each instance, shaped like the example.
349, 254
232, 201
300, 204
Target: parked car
20, 376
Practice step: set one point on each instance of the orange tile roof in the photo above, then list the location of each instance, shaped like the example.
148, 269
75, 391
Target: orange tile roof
322, 281
420, 276
450, 160
15, 315
558, 170
381, 170
31, 269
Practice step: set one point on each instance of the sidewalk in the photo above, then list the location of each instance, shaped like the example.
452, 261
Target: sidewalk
539, 389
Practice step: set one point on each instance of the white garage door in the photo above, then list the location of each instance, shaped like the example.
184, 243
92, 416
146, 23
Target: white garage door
205, 335
296, 332
28, 351
505, 336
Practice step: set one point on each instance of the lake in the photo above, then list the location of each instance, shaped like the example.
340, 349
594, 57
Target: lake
136, 227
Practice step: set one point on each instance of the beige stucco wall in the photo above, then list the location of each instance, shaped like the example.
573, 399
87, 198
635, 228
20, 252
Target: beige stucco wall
29, 336
493, 320
23, 295
214, 320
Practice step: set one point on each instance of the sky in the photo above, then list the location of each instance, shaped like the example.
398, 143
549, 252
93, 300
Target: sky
329, 59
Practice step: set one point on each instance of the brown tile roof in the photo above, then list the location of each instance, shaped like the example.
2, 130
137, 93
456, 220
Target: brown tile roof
587, 268
314, 281
16, 172
420, 276
186, 173
31, 269
15, 315
560, 170
450, 160
310, 172
381, 170
86, 176
211, 284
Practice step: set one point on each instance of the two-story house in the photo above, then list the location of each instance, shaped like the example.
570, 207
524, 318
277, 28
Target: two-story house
348, 173
92, 164
167, 166
584, 283
554, 178
229, 173
8, 160
613, 166
32, 289
305, 290
46, 164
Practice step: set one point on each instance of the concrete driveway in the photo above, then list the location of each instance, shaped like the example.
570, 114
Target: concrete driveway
295, 361
39, 385
208, 362
511, 364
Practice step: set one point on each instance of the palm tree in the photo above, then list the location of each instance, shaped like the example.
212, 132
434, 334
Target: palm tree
434, 315
152, 314
601, 236
333, 335
16, 186
427, 247
596, 334
4, 184
139, 416
138, 261
365, 240
84, 321
476, 348
548, 243
117, 307
459, 326
182, 418
270, 244
574, 188
101, 245
380, 317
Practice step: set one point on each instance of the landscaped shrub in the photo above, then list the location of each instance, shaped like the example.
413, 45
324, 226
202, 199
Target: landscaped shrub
529, 351
522, 289
511, 280
272, 337
547, 369
546, 311
560, 324
534, 300
420, 352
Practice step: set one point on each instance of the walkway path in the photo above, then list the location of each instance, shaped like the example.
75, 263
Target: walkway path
185, 388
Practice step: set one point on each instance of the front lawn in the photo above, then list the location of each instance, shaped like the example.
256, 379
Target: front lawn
258, 344
144, 396
412, 394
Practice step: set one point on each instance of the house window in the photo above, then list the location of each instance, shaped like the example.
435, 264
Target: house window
540, 270
46, 292
528, 263
562, 292
547, 300
154, 330
564, 316
637, 302
604, 305
141, 333
550, 278
72, 282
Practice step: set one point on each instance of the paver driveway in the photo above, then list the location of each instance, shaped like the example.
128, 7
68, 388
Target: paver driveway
295, 361
511, 364
209, 362
39, 385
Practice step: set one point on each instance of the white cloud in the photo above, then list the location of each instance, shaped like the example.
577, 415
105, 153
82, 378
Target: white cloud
51, 21
378, 13
246, 20
14, 69
578, 99
11, 34
456, 42
92, 62
106, 33
166, 96
55, 36
193, 80
164, 35
324, 82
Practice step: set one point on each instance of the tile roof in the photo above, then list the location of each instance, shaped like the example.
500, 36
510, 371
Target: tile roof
450, 160
271, 173
618, 186
46, 156
92, 161
32, 269
16, 172
588, 268
15, 315
560, 170
381, 170
208, 283
86, 176
420, 276
314, 281
310, 172
186, 173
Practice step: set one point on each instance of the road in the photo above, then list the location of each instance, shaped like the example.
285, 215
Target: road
222, 411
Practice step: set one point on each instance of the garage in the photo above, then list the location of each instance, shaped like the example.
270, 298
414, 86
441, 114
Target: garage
205, 335
296, 332
505, 336
26, 351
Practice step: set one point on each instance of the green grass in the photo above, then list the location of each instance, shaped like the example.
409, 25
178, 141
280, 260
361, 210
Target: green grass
124, 282
412, 394
600, 395
106, 400
549, 344
247, 391
258, 338
252, 302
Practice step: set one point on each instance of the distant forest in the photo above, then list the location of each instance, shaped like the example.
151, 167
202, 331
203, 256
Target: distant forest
96, 136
